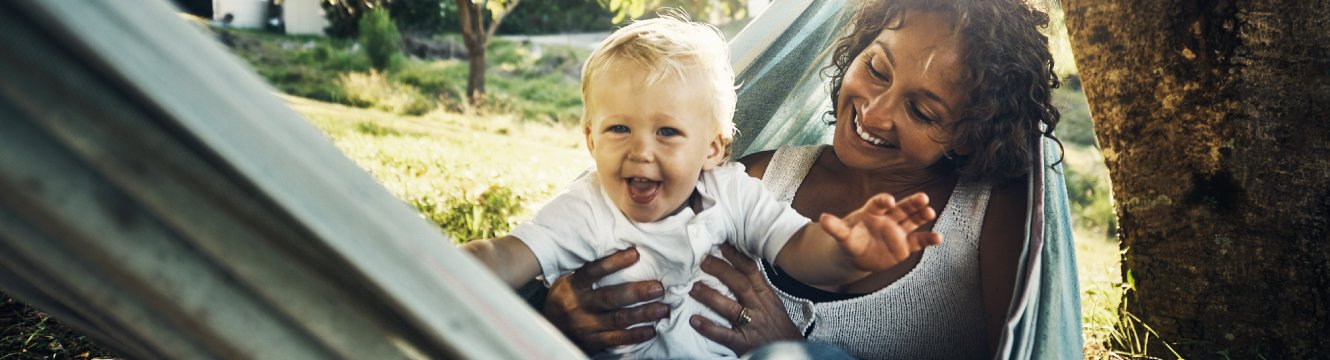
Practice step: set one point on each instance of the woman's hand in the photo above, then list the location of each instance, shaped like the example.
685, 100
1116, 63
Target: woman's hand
769, 321
596, 319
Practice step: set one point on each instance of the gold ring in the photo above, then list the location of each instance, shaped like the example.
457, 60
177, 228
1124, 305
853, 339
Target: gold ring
743, 318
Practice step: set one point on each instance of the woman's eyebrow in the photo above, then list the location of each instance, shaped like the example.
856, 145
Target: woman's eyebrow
881, 45
925, 92
929, 94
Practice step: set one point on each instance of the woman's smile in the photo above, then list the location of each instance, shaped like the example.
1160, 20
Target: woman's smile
867, 136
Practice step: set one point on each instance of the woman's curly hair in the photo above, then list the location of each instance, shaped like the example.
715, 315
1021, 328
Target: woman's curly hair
1006, 65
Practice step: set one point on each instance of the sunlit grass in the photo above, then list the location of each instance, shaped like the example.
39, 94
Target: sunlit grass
1108, 330
443, 162
1098, 259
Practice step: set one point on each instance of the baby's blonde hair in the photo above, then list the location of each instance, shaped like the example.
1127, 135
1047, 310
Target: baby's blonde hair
669, 46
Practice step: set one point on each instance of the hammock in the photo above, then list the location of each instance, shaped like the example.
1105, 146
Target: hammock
784, 100
155, 196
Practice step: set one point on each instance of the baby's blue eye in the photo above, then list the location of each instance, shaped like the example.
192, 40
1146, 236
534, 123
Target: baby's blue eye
618, 128
667, 132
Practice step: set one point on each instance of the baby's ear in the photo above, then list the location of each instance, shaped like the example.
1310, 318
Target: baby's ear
716, 153
586, 130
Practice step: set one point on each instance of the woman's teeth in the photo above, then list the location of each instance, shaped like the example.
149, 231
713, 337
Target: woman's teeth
859, 128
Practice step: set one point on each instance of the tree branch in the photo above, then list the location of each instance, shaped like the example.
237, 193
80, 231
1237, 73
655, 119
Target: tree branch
498, 18
464, 16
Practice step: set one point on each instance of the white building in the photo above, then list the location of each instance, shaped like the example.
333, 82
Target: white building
303, 17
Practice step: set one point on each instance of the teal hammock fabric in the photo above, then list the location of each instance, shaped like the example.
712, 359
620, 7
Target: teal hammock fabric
784, 100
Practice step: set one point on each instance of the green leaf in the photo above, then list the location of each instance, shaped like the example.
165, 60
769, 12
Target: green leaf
495, 7
638, 11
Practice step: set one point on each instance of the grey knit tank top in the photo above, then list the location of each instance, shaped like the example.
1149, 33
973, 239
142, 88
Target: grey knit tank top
933, 312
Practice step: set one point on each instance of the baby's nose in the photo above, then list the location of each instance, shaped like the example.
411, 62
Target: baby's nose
641, 156
641, 152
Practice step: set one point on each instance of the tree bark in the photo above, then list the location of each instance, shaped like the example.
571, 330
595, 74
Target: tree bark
475, 79
476, 36
1212, 116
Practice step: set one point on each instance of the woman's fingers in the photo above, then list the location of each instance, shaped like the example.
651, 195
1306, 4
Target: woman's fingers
741, 274
715, 332
727, 308
761, 294
614, 297
607, 339
769, 322
593, 271
741, 262
739, 284
596, 319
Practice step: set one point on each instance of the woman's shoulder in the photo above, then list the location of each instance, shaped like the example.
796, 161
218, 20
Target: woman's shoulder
791, 157
757, 162
1007, 206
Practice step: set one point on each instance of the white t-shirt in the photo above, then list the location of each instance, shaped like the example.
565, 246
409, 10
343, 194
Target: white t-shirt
582, 224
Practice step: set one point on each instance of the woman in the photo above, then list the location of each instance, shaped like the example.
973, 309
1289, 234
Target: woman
934, 97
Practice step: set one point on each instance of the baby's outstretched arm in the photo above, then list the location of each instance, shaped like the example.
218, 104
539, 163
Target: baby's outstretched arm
876, 237
508, 257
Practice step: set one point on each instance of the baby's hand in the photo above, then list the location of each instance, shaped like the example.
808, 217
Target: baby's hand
881, 234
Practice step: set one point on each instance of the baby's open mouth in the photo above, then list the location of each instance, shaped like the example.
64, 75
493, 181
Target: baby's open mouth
868, 137
642, 190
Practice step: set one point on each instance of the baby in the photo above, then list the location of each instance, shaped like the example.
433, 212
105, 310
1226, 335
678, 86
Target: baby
659, 99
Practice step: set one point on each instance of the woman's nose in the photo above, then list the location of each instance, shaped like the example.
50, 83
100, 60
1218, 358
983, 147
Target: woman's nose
880, 112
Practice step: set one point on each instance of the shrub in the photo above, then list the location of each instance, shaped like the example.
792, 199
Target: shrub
549, 98
1075, 127
435, 78
1088, 190
414, 16
486, 216
552, 16
373, 90
379, 36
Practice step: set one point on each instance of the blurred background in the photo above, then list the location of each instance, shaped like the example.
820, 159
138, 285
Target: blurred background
477, 126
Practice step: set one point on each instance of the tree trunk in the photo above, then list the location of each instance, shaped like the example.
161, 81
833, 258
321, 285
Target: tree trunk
476, 35
1212, 116
475, 80
471, 17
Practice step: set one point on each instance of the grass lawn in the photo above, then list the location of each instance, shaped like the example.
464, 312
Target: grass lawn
475, 176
